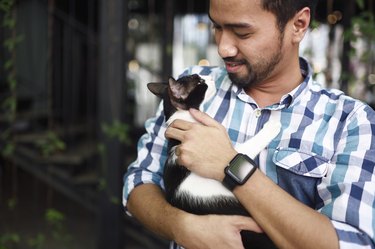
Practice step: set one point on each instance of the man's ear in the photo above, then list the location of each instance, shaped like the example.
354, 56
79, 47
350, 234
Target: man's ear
301, 22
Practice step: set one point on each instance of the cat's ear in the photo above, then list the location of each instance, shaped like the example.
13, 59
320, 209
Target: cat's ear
158, 88
174, 87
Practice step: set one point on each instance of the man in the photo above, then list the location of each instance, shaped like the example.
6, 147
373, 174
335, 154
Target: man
315, 184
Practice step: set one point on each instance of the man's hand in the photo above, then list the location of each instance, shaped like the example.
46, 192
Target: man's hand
205, 146
147, 203
213, 231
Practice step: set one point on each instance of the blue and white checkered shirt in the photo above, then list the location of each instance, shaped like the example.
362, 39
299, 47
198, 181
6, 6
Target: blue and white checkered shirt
324, 155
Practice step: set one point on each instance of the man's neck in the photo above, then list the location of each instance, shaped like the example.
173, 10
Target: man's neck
271, 91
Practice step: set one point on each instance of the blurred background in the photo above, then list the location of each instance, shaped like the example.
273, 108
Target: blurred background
73, 101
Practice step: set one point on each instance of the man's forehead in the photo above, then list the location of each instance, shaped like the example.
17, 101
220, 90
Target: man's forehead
239, 13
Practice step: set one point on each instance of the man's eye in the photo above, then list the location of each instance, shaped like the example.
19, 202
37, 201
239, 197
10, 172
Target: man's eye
216, 27
243, 35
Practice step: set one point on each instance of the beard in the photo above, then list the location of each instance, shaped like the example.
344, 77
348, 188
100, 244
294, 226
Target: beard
256, 72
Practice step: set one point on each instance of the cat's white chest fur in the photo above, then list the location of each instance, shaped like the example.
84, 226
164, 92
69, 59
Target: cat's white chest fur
197, 186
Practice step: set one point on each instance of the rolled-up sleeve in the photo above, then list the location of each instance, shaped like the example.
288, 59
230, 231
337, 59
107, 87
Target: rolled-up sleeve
152, 151
348, 190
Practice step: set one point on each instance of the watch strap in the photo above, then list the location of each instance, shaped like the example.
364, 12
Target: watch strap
229, 181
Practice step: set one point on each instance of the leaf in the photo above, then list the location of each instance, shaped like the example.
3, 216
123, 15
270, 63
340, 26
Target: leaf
54, 216
6, 5
9, 22
8, 150
117, 130
9, 238
8, 64
37, 242
361, 4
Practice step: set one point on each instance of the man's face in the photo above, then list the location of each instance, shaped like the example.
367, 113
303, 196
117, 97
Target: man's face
248, 40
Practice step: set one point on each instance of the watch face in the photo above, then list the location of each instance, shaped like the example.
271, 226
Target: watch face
240, 168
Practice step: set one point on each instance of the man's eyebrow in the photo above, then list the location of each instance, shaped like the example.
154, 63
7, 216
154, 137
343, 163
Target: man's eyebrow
232, 25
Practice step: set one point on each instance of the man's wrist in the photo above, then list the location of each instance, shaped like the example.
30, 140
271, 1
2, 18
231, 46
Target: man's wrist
238, 171
181, 222
229, 157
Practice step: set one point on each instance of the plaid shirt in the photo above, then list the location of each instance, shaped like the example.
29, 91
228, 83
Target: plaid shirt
324, 155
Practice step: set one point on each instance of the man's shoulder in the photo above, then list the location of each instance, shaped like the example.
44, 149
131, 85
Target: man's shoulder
338, 98
331, 94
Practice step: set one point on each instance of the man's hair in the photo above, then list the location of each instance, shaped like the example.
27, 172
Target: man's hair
284, 10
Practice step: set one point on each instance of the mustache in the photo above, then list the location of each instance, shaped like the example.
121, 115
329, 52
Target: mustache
234, 60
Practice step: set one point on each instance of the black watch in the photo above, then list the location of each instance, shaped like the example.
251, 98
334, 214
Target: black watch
238, 171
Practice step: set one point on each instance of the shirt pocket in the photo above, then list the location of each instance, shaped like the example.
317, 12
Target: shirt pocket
299, 173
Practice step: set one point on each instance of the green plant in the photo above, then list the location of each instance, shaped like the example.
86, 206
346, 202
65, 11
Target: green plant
8, 240
117, 130
50, 144
9, 104
361, 30
38, 242
57, 230
56, 220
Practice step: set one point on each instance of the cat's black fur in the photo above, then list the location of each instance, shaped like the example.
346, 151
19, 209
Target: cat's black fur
185, 93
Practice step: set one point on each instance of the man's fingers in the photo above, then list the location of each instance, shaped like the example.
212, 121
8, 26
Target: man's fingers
174, 133
177, 129
203, 118
181, 124
247, 223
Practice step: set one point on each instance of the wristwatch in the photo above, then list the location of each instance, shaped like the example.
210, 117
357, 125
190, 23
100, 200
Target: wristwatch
238, 171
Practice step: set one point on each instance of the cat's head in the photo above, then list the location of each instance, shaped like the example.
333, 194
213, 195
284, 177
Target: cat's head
182, 94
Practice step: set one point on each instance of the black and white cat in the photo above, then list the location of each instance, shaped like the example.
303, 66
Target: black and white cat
186, 190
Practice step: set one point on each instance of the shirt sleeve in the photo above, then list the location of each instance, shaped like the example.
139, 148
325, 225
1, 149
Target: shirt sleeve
152, 153
348, 190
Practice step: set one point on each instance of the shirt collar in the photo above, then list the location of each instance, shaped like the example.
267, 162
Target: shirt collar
289, 98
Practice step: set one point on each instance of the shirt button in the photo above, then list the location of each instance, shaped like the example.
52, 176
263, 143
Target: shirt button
258, 113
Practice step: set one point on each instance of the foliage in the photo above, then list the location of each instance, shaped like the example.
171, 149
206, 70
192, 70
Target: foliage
57, 230
363, 26
56, 220
38, 242
50, 144
9, 105
8, 240
361, 37
117, 130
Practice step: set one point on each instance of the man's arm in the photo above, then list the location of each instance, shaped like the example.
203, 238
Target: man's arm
147, 203
288, 222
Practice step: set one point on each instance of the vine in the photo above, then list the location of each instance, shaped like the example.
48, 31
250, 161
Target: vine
9, 104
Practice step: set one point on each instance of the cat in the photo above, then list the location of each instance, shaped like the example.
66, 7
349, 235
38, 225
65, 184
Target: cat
186, 190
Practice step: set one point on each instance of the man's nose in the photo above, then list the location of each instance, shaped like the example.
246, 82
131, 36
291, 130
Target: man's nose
226, 46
